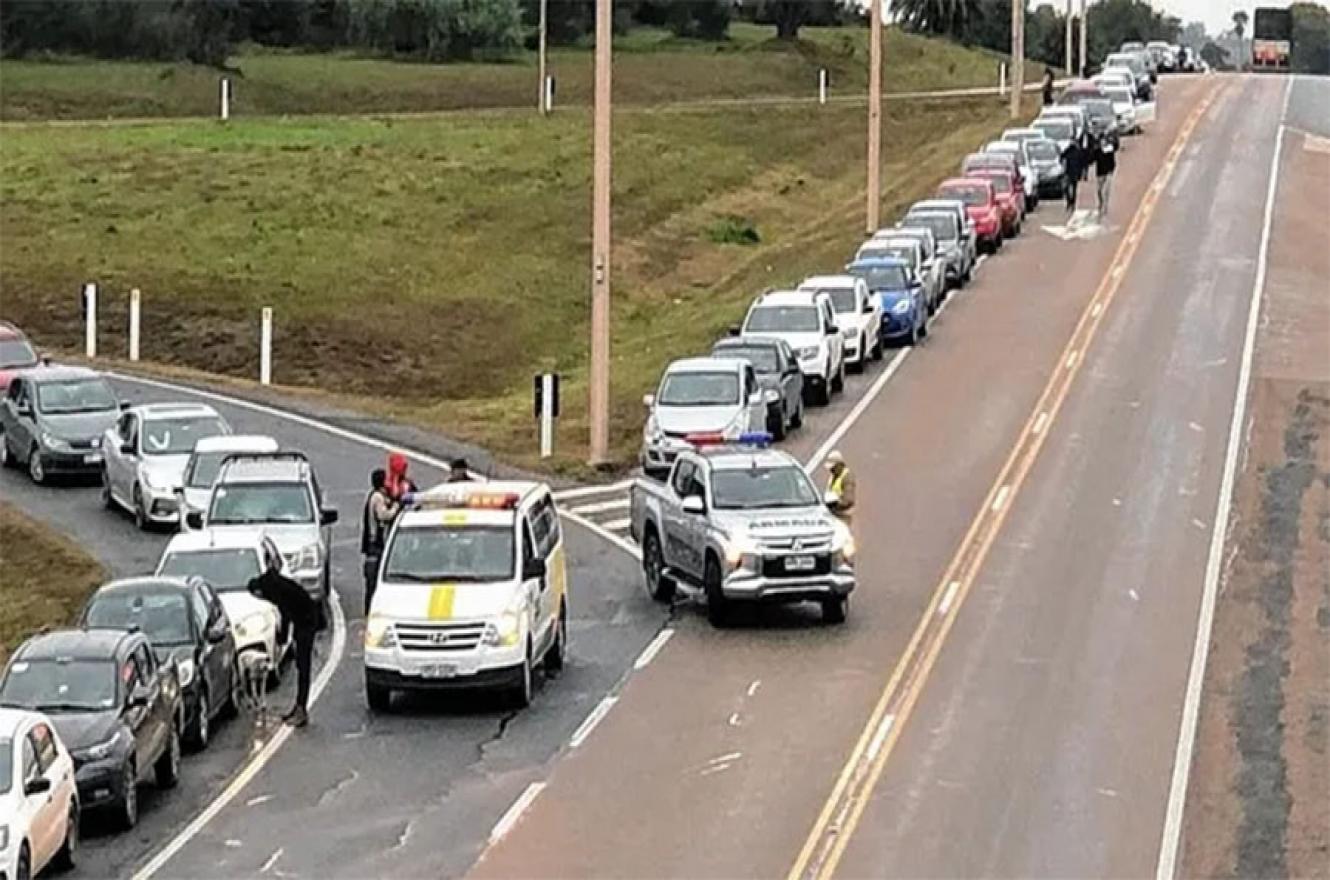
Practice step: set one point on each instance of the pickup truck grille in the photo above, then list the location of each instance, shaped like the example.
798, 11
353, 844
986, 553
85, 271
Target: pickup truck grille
437, 637
806, 545
776, 566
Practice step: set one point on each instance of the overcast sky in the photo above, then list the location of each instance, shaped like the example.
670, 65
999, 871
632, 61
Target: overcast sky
1217, 14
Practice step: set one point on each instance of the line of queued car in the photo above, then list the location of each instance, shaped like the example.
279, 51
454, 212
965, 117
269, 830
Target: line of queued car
90, 713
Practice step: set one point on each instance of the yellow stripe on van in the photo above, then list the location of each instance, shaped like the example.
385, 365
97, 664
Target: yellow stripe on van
441, 602
455, 518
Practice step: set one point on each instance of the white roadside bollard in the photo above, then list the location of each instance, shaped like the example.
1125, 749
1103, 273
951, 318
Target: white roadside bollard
547, 409
134, 314
549, 94
822, 86
1002, 79
265, 348
90, 320
226, 99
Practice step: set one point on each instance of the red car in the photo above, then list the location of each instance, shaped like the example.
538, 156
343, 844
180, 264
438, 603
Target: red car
16, 353
1010, 198
1000, 161
981, 205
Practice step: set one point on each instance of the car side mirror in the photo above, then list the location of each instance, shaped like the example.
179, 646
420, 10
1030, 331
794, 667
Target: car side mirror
533, 569
832, 331
868, 306
38, 785
648, 400
328, 516
23, 409
138, 698
194, 519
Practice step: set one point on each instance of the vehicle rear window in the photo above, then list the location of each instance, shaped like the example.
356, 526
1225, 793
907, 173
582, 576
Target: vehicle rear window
877, 250
439, 554
60, 685
1058, 129
235, 504
16, 353
942, 226
178, 436
970, 195
699, 389
882, 277
228, 570
783, 319
1001, 183
1042, 149
842, 299
75, 396
761, 487
161, 615
762, 358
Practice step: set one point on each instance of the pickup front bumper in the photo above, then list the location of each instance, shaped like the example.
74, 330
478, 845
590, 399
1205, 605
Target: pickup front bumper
773, 583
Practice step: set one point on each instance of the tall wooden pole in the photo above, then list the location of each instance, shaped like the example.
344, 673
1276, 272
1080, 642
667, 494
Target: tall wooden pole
600, 240
1070, 38
1081, 70
1017, 56
542, 103
874, 117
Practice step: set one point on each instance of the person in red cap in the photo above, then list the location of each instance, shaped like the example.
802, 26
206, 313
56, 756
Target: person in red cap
396, 483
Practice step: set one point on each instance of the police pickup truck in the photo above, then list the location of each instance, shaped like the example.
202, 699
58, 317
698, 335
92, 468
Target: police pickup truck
742, 523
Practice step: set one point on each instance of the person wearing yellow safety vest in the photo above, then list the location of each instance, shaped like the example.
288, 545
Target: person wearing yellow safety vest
840, 487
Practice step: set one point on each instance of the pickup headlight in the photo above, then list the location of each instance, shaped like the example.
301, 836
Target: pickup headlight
185, 672
57, 444
504, 632
808, 353
379, 633
902, 307
100, 751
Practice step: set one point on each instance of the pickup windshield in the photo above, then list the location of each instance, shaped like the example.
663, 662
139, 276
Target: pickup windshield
433, 554
763, 487
59, 685
782, 319
238, 504
699, 389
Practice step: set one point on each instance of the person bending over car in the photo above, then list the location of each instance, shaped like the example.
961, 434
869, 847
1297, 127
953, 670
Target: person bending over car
302, 613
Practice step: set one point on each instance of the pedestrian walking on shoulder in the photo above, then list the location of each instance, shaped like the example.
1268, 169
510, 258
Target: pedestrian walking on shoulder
375, 519
1048, 87
1073, 165
1106, 162
300, 611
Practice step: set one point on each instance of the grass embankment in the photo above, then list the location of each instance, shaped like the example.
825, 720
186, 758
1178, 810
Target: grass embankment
44, 578
650, 67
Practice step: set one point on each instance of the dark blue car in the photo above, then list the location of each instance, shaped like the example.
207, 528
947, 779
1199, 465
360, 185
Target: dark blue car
898, 289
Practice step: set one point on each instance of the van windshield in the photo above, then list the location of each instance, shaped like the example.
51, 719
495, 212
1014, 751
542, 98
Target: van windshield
752, 488
435, 554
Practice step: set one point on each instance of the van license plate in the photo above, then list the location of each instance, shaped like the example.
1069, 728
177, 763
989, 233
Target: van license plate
439, 670
800, 563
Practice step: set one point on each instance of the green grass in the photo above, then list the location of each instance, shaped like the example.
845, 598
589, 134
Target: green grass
650, 68
44, 578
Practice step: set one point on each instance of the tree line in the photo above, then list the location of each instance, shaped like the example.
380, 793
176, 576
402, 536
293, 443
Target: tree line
207, 31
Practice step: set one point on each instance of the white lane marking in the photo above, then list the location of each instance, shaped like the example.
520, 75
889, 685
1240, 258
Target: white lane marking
726, 759
597, 715
859, 408
880, 737
618, 525
600, 507
1001, 498
752, 688
272, 860
1071, 359
260, 799
260, 759
1135, 596
1096, 309
719, 768
979, 262
585, 491
509, 818
1118, 270
948, 598
1039, 423
653, 648
734, 720
1191, 707
1196, 426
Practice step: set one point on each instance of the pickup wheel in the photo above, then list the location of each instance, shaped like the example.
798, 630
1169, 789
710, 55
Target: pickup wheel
835, 610
660, 586
127, 811
718, 607
838, 380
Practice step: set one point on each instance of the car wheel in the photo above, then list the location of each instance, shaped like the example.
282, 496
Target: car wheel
914, 336
660, 586
108, 500
819, 392
167, 769
923, 327
860, 365
36, 470
127, 814
67, 856
520, 695
24, 869
199, 732
838, 381
877, 347
718, 608
234, 692
379, 698
835, 610
776, 423
797, 420
140, 515
557, 655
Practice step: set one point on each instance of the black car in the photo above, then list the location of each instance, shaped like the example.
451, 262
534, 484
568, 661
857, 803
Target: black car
52, 419
777, 369
116, 708
185, 622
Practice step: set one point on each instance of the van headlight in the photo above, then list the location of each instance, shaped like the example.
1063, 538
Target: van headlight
379, 633
504, 632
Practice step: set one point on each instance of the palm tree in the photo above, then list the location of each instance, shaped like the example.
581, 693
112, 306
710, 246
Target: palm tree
936, 16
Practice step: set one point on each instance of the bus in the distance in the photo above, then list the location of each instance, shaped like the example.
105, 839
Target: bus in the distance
1272, 35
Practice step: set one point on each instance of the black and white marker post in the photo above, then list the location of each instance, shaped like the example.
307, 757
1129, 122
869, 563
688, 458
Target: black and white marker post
546, 409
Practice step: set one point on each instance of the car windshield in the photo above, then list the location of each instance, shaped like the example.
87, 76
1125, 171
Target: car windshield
882, 277
16, 353
763, 359
6, 764
888, 251
842, 299
161, 615
56, 685
236, 504
431, 554
761, 487
227, 570
1001, 183
782, 319
699, 389
75, 396
178, 436
940, 225
1042, 149
972, 196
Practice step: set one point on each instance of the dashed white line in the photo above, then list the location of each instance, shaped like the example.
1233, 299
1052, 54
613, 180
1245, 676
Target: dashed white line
1040, 422
880, 737
1001, 498
653, 648
272, 860
752, 688
726, 759
718, 768
600, 507
597, 715
509, 819
948, 598
1071, 359
1096, 309
734, 720
858, 410
619, 525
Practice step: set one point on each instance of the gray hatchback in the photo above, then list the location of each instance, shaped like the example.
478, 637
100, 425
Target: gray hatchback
777, 370
52, 419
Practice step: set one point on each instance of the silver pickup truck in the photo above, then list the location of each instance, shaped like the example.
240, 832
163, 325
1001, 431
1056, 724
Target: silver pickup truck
743, 525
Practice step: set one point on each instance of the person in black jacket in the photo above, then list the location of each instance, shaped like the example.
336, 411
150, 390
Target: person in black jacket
301, 612
1105, 163
375, 520
1048, 87
1073, 163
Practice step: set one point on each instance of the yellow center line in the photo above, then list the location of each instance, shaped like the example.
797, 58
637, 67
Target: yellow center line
840, 814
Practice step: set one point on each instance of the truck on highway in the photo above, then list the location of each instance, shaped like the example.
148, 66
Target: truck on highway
742, 523
1272, 36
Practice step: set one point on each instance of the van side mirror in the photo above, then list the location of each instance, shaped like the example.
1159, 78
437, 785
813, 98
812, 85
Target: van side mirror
648, 400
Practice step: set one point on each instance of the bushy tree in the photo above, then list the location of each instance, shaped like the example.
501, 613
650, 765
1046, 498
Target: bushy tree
790, 15
945, 17
435, 30
1311, 38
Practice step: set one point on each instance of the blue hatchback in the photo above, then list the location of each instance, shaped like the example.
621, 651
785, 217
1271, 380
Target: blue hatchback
904, 305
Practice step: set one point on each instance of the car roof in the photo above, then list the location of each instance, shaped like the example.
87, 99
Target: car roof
964, 181
154, 581
75, 644
819, 282
61, 373
12, 718
786, 298
748, 342
236, 443
937, 205
264, 467
704, 365
229, 538
153, 411
9, 331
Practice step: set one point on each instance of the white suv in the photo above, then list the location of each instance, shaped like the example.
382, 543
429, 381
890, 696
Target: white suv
858, 315
807, 322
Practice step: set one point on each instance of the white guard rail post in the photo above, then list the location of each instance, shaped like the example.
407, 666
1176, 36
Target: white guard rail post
134, 315
265, 348
90, 320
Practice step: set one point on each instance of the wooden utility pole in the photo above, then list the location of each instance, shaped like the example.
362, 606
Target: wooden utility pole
1017, 56
1080, 71
599, 392
542, 103
874, 117
1070, 38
